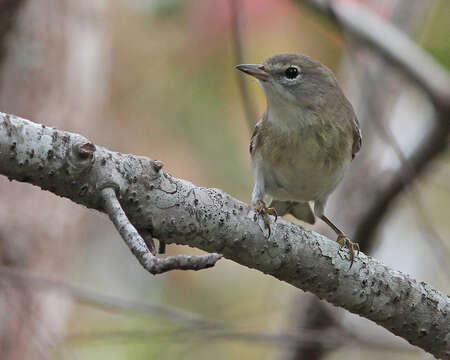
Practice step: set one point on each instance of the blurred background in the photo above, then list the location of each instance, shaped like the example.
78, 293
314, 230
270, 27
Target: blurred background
156, 78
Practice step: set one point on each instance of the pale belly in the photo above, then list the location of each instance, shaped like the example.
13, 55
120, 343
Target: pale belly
300, 183
298, 175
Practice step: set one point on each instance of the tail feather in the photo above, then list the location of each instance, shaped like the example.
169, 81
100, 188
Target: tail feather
301, 210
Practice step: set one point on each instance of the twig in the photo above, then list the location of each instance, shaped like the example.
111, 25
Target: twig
247, 103
139, 249
105, 302
329, 339
8, 15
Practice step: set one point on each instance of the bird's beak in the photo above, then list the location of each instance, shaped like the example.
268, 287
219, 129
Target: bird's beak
255, 70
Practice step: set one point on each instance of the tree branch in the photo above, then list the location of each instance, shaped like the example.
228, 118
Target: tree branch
176, 211
361, 23
139, 248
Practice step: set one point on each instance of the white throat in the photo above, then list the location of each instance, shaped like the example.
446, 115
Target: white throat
284, 110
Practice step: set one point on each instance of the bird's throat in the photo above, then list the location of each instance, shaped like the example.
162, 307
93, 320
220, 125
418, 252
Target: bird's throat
291, 118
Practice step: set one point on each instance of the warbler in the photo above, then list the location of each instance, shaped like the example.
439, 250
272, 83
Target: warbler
305, 141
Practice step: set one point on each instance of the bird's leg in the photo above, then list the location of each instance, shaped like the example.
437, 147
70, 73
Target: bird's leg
343, 239
262, 210
258, 203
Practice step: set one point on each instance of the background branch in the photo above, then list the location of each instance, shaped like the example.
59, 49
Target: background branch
105, 302
361, 23
247, 102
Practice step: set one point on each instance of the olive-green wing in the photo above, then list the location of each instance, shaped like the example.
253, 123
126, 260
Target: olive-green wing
254, 138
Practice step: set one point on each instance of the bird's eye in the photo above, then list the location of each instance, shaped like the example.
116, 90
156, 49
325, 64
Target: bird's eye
291, 72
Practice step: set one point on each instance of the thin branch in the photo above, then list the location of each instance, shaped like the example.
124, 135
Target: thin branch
105, 302
247, 103
281, 339
8, 15
329, 339
409, 176
139, 249
177, 211
437, 243
406, 172
420, 160
395, 46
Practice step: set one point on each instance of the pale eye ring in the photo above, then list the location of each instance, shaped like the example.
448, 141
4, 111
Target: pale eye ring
291, 72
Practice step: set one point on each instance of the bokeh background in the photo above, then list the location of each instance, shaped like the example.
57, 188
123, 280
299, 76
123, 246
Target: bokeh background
156, 78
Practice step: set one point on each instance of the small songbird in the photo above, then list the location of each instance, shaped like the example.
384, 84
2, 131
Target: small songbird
305, 141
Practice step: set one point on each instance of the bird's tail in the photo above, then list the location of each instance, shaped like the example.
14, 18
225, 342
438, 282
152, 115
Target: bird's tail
301, 210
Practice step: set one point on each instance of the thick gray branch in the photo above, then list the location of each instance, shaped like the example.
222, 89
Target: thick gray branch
176, 211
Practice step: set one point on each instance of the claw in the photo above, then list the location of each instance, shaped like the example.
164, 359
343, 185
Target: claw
273, 212
262, 210
351, 246
267, 225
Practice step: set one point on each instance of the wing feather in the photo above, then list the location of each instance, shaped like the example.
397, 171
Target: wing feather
254, 138
357, 139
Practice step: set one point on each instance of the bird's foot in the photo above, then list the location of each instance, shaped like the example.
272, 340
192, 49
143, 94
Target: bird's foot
351, 246
264, 211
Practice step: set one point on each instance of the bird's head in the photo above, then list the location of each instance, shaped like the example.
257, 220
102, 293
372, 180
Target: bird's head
291, 78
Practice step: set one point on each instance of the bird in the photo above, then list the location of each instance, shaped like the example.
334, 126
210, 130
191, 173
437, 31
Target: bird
304, 142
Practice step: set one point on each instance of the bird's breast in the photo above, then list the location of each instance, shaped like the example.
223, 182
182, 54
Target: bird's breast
304, 164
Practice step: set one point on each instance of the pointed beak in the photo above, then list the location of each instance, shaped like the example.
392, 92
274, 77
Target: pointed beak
255, 70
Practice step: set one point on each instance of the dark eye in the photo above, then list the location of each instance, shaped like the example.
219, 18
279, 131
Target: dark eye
291, 72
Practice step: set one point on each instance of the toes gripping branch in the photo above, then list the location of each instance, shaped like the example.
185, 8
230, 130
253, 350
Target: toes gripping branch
351, 246
343, 240
264, 211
